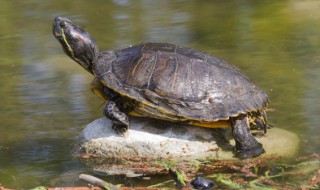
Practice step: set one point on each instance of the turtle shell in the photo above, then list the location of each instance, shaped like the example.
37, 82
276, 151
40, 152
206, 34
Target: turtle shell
176, 83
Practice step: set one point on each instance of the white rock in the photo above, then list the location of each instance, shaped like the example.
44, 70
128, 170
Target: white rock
153, 140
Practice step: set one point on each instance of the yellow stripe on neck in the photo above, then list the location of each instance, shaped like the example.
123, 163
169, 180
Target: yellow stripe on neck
65, 41
70, 50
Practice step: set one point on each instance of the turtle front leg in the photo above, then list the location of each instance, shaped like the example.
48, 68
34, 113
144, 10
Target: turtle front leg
246, 145
120, 121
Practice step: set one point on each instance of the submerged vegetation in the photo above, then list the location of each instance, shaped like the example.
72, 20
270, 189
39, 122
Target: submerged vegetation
260, 173
267, 173
271, 173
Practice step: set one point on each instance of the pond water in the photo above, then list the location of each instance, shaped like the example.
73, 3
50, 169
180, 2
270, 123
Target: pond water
46, 100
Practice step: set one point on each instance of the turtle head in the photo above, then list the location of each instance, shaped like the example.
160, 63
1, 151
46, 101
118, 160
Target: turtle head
76, 42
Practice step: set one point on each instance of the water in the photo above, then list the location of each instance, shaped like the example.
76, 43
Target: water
46, 100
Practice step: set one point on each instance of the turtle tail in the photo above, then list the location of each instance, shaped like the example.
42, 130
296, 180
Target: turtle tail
258, 120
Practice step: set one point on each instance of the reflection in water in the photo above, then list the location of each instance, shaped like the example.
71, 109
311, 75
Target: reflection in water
45, 97
76, 95
137, 23
311, 100
35, 88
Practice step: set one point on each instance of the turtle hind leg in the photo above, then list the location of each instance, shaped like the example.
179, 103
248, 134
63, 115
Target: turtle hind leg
120, 121
246, 145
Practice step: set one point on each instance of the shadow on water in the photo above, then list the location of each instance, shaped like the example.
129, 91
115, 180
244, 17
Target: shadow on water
45, 98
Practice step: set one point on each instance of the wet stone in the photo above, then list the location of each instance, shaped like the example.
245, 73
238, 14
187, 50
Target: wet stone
149, 142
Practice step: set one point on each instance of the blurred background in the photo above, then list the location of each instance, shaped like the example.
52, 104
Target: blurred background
45, 97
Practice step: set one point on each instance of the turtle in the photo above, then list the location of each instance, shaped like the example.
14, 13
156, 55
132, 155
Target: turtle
202, 183
168, 82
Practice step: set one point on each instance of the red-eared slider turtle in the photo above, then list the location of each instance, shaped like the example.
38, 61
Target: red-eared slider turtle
169, 82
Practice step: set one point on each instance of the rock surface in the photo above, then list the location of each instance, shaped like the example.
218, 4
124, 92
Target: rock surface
150, 141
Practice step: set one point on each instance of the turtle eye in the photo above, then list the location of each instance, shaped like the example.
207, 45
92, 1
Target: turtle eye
63, 24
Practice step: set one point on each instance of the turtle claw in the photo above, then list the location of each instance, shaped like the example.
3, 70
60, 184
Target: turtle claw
121, 130
250, 153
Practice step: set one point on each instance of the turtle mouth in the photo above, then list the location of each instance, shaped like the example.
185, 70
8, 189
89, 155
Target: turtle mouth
56, 34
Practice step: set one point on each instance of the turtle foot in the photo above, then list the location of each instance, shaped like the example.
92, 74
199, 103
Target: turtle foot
121, 130
250, 152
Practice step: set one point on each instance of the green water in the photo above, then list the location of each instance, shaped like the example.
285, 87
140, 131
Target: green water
46, 100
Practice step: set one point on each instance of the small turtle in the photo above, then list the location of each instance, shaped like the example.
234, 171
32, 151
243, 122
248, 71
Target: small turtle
168, 82
202, 183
